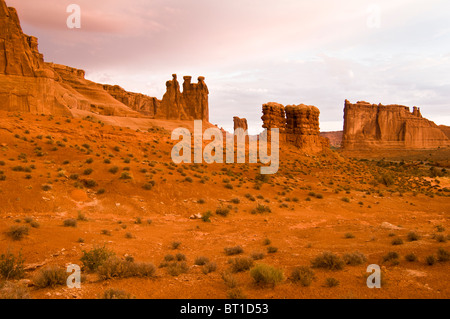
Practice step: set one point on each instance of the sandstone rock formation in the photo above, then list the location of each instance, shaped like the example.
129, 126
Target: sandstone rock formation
298, 125
240, 123
191, 104
138, 102
274, 116
370, 126
334, 137
28, 84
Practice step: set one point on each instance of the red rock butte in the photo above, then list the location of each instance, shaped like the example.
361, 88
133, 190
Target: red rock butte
371, 126
29, 84
298, 125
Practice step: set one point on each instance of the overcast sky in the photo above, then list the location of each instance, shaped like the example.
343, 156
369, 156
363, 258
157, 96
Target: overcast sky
316, 52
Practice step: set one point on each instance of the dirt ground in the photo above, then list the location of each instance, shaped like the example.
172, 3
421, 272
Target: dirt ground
57, 169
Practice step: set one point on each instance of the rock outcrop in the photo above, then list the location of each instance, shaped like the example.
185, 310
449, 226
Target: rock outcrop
191, 104
240, 123
371, 126
138, 102
28, 84
298, 125
334, 137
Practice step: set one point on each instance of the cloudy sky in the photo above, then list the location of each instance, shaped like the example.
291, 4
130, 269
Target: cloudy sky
317, 52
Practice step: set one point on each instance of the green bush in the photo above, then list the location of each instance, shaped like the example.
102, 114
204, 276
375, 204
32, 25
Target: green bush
266, 275
11, 267
95, 257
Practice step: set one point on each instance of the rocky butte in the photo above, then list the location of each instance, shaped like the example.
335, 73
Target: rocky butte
29, 84
298, 125
240, 123
371, 126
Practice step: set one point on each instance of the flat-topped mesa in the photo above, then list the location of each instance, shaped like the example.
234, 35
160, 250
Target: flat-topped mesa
371, 126
274, 116
240, 123
192, 104
298, 124
141, 103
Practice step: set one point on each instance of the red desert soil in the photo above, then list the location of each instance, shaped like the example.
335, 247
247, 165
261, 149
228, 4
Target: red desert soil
328, 202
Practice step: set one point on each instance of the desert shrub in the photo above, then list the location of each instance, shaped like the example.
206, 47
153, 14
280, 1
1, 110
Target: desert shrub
266, 275
114, 267
73, 177
349, 235
430, 260
411, 257
51, 277
328, 260
113, 170
70, 222
235, 200
355, 258
386, 179
206, 217
331, 282
272, 250
229, 251
200, 261
443, 255
261, 209
346, 199
209, 268
11, 267
229, 280
95, 257
177, 268
397, 241
116, 294
46, 188
175, 244
257, 256
89, 183
303, 275
440, 238
11, 290
17, 232
236, 293
89, 160
81, 217
267, 242
390, 256
88, 171
125, 176
319, 196
106, 232
413, 236
241, 264
222, 211
180, 257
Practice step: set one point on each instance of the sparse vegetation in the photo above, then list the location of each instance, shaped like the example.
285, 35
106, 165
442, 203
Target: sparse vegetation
302, 275
264, 274
328, 260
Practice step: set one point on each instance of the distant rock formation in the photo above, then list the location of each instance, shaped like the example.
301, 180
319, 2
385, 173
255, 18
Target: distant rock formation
240, 123
138, 102
370, 126
334, 137
28, 84
298, 125
191, 104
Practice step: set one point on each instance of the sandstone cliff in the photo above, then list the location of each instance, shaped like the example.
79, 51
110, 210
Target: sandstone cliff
370, 126
334, 137
28, 84
298, 125
240, 123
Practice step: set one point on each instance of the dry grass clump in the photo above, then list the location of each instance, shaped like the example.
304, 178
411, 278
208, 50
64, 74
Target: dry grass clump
17, 232
328, 260
302, 275
117, 268
240, 264
51, 276
264, 274
229, 251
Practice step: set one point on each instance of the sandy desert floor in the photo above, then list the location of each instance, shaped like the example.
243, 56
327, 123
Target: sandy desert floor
119, 189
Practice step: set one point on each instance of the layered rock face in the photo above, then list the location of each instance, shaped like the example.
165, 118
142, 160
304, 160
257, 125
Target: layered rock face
28, 84
335, 137
191, 104
298, 125
370, 126
240, 123
274, 116
138, 102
